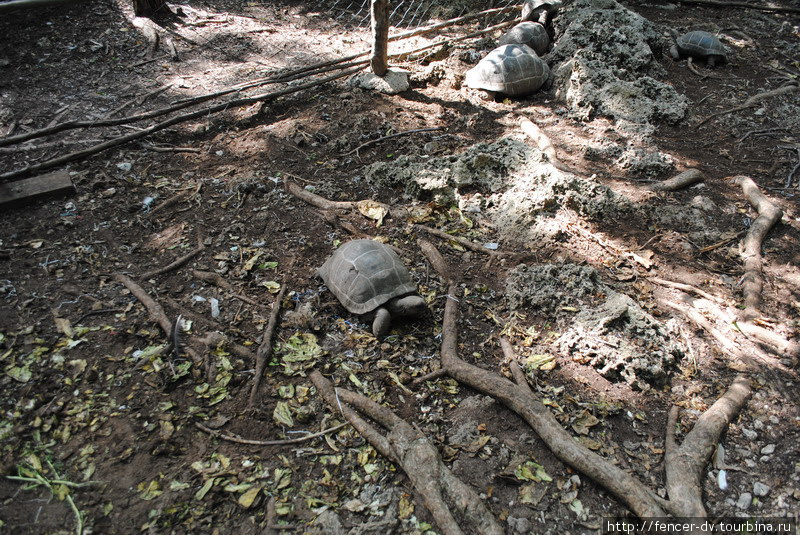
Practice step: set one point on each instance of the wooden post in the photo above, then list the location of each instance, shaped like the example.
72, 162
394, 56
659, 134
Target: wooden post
379, 61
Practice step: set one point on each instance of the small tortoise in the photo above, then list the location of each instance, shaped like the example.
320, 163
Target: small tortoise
369, 278
514, 70
701, 45
540, 10
528, 33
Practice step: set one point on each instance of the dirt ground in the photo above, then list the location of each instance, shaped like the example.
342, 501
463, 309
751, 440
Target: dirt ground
99, 417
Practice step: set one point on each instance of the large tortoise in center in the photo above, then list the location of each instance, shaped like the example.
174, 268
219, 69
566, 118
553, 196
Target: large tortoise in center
369, 278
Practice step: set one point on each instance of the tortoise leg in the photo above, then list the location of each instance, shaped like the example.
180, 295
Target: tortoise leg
711, 61
382, 322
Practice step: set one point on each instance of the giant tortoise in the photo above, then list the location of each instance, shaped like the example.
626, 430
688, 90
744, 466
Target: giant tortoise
369, 278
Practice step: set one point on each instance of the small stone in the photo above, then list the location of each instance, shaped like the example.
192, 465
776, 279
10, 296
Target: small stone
769, 449
519, 525
749, 434
744, 501
760, 489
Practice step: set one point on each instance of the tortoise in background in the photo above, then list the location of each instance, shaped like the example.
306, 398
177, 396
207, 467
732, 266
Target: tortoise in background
701, 45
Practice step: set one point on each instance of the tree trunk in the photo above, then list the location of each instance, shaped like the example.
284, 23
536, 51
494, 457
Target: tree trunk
380, 37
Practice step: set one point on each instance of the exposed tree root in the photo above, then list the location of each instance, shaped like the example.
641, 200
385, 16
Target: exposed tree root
768, 215
154, 309
264, 351
543, 142
679, 181
443, 494
519, 397
316, 200
685, 464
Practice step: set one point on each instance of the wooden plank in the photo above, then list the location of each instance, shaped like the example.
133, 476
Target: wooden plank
57, 183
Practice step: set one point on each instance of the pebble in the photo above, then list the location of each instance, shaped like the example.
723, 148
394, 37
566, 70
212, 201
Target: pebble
744, 501
760, 489
749, 434
769, 449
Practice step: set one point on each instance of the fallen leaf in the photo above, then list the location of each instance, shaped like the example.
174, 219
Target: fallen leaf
248, 497
373, 210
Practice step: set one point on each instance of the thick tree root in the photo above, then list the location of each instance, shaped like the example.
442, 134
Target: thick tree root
519, 397
768, 215
679, 181
443, 494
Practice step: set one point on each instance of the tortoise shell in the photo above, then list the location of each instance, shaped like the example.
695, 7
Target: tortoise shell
514, 70
528, 33
365, 274
700, 44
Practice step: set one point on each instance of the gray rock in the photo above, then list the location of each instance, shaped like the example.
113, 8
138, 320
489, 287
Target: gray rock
760, 489
744, 501
769, 449
749, 434
327, 523
608, 65
519, 525
391, 83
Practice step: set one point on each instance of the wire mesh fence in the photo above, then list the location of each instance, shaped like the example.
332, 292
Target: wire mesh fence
407, 13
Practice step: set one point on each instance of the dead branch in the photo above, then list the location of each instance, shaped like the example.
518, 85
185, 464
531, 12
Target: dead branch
155, 310
461, 241
390, 136
240, 440
685, 464
177, 263
120, 140
442, 493
316, 200
752, 101
265, 349
681, 180
748, 5
768, 215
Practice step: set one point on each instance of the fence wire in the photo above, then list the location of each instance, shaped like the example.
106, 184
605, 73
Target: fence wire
407, 13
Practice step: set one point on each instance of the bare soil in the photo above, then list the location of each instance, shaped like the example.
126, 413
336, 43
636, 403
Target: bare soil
88, 400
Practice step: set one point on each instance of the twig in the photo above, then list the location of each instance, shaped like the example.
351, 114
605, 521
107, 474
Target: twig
746, 5
175, 199
768, 215
461, 241
752, 101
679, 181
390, 136
177, 263
687, 288
316, 200
240, 440
120, 140
265, 349
217, 280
